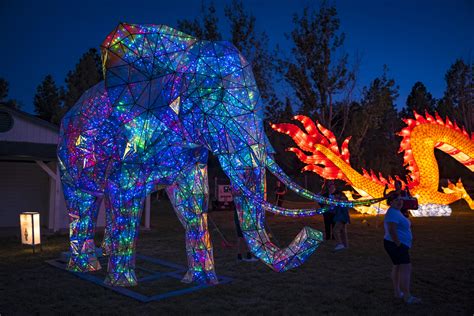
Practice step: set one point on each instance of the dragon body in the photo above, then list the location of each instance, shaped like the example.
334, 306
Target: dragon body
421, 136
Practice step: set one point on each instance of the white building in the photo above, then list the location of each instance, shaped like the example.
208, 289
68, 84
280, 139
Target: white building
29, 178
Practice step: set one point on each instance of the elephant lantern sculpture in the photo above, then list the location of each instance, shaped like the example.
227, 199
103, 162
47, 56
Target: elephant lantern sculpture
166, 101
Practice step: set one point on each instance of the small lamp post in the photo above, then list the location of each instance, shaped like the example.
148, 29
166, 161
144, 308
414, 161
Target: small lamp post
30, 229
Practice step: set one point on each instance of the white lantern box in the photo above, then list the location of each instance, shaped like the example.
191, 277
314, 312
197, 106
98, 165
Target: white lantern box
30, 229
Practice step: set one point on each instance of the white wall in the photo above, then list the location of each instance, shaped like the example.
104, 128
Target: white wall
25, 131
23, 187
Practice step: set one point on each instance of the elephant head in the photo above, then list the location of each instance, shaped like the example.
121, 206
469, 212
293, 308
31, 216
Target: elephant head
167, 100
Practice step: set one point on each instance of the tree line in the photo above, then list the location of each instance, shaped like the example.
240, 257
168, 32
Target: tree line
318, 79
51, 101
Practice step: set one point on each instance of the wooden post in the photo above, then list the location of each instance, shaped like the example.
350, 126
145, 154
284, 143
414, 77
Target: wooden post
57, 199
52, 188
53, 222
48, 170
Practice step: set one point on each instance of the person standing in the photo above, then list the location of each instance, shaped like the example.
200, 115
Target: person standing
397, 243
341, 219
398, 192
241, 244
280, 192
329, 215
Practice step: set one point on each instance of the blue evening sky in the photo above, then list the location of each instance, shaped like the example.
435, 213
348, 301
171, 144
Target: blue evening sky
417, 39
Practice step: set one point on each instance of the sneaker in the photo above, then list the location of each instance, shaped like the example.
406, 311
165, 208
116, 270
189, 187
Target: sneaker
413, 300
251, 259
339, 247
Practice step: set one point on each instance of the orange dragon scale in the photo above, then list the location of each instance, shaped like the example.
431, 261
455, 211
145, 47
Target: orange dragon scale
318, 149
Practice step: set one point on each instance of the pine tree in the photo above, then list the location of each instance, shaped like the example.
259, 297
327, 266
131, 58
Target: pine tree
419, 100
205, 28
458, 100
87, 73
373, 127
4, 94
3, 89
458, 105
47, 101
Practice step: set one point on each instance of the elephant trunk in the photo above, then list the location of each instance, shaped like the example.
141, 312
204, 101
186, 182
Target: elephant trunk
248, 191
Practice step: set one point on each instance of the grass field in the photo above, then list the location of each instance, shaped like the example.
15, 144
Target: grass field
354, 281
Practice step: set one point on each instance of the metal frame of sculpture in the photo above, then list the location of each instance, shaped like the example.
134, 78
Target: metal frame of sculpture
420, 137
167, 99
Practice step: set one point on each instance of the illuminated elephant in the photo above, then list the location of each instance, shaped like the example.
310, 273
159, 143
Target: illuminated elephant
166, 101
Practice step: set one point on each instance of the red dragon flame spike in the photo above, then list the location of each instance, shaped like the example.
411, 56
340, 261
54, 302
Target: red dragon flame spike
429, 118
311, 128
449, 123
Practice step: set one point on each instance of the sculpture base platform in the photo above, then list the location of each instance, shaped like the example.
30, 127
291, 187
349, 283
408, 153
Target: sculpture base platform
157, 279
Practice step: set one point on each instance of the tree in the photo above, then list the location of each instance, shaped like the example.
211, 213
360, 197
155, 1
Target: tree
419, 100
207, 28
47, 101
3, 89
373, 127
87, 73
458, 105
319, 72
458, 100
288, 161
4, 94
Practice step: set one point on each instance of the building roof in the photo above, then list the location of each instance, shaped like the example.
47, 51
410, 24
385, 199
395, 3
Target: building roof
30, 117
31, 144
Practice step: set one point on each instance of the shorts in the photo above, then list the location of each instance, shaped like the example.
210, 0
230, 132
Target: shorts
399, 255
237, 225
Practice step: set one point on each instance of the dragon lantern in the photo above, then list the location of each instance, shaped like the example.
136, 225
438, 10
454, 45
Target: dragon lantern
421, 136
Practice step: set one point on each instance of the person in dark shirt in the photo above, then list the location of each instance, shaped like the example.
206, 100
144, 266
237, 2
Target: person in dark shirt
341, 219
280, 192
397, 242
241, 244
397, 193
329, 215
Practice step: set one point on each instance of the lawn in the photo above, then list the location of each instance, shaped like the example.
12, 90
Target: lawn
354, 281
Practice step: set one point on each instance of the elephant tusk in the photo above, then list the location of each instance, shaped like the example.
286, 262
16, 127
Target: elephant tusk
283, 177
273, 208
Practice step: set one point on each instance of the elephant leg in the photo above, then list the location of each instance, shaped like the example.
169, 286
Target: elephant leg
125, 208
107, 241
82, 208
189, 197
